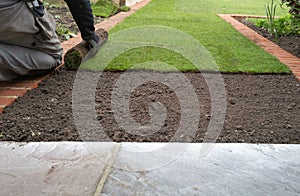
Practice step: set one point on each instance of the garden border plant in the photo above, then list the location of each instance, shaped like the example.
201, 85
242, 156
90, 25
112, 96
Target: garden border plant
271, 12
279, 26
294, 6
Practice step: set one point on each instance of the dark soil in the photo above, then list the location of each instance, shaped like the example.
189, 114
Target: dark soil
260, 109
288, 43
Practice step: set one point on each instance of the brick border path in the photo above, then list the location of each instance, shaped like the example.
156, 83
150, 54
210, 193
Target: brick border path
283, 56
10, 91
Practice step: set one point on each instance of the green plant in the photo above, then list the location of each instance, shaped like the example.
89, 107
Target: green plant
52, 5
45, 3
271, 12
66, 33
287, 26
284, 25
294, 6
124, 8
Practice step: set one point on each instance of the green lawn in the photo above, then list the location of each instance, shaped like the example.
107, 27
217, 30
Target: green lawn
223, 48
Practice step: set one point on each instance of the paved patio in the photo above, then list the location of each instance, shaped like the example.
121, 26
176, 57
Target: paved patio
73, 168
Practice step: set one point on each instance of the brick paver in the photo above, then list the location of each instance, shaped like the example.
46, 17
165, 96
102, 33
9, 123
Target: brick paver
4, 101
10, 91
29, 84
283, 56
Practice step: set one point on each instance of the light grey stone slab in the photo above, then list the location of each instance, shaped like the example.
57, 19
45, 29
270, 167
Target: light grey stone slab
225, 169
66, 168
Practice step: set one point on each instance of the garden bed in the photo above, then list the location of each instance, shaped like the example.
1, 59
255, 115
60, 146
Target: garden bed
66, 26
289, 43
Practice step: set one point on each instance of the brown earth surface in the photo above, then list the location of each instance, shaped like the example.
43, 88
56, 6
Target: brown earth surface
260, 108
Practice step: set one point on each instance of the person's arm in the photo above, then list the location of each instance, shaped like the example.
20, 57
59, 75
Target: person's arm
82, 13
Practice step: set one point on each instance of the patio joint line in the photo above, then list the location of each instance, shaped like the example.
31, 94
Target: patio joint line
107, 170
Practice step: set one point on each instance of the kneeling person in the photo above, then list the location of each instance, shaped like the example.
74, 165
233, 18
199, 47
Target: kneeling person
28, 42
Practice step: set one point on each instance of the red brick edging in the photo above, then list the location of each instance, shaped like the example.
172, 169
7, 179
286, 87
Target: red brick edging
283, 56
10, 91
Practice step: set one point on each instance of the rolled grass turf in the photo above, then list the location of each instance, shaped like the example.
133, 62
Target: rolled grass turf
77, 54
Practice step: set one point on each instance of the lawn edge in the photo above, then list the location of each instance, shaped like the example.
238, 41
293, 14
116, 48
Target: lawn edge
291, 61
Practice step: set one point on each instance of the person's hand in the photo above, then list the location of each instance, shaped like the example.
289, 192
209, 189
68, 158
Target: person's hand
92, 43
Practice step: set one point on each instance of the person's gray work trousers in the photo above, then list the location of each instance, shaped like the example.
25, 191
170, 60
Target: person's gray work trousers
16, 60
28, 43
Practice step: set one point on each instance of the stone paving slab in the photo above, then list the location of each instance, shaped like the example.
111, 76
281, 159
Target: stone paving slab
74, 168
67, 168
227, 169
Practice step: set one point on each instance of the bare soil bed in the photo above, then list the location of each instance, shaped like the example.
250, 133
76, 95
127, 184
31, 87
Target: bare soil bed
260, 109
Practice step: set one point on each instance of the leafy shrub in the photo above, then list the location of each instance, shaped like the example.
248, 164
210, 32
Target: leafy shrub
294, 6
66, 33
284, 26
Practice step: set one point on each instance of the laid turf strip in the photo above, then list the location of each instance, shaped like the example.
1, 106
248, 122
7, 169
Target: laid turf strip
231, 51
